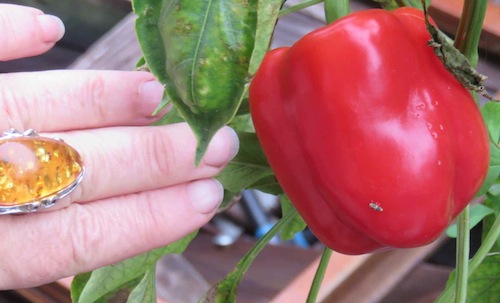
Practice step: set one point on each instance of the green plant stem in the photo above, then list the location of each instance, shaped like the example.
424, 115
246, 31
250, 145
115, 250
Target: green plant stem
298, 7
336, 9
488, 242
470, 27
466, 41
463, 250
266, 238
235, 276
482, 252
320, 274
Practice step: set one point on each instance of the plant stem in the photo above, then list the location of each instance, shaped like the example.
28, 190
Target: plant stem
336, 9
320, 274
486, 246
298, 7
482, 252
466, 41
463, 250
470, 27
235, 276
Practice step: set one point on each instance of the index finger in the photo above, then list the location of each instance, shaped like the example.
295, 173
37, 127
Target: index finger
26, 31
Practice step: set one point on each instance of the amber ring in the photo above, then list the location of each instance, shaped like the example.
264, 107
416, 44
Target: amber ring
36, 171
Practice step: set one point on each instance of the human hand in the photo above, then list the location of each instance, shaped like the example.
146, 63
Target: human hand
141, 189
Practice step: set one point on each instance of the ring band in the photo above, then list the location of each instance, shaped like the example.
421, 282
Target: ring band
36, 171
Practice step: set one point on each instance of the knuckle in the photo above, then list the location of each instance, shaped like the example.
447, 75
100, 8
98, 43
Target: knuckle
85, 237
151, 216
159, 153
10, 36
13, 109
155, 216
91, 95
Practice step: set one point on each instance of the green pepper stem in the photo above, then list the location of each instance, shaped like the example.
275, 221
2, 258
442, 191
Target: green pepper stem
467, 41
469, 28
320, 274
336, 9
298, 7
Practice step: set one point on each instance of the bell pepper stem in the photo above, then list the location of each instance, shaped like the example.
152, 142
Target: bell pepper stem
469, 28
336, 9
467, 41
318, 277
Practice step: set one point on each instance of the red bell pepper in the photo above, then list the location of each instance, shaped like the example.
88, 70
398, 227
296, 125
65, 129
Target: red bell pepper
374, 141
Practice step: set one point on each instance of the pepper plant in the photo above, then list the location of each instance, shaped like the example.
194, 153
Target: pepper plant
369, 129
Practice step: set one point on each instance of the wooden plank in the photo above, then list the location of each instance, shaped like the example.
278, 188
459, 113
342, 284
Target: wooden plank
424, 284
379, 274
116, 50
340, 267
365, 278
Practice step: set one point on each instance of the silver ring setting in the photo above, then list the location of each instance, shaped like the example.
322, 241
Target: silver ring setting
36, 171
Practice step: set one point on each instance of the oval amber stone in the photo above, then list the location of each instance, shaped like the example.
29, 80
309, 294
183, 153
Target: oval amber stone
34, 168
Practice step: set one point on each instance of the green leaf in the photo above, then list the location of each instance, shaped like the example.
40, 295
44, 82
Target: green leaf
164, 102
492, 201
495, 189
145, 291
388, 4
248, 167
491, 116
208, 45
484, 251
78, 284
268, 185
477, 213
493, 171
125, 276
141, 63
296, 225
267, 16
230, 198
171, 117
149, 37
225, 291
242, 123
484, 283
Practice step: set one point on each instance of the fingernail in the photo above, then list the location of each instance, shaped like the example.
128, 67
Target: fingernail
150, 94
223, 147
52, 27
205, 195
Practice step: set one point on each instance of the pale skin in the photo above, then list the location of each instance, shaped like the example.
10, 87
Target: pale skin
141, 190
